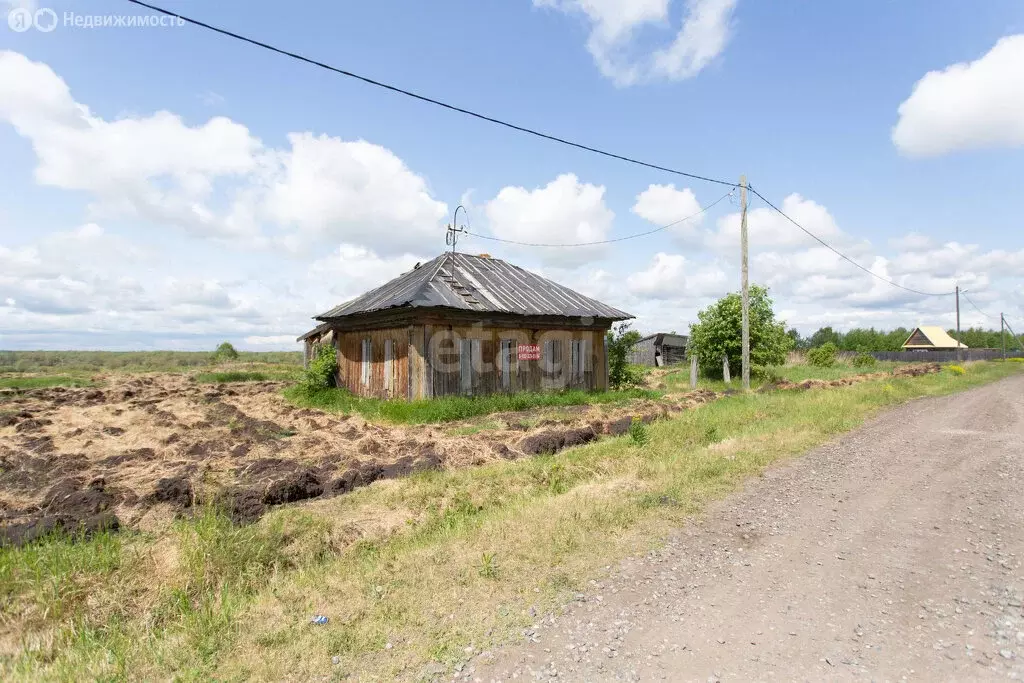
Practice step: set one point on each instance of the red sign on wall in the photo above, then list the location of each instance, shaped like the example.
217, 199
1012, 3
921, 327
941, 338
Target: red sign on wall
529, 352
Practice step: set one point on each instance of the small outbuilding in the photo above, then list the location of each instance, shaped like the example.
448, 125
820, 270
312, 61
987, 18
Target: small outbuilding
467, 325
657, 350
931, 338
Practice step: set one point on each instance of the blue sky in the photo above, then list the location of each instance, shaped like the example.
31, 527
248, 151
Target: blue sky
213, 191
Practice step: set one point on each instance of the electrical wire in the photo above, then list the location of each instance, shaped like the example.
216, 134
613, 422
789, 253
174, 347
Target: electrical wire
616, 239
841, 254
430, 100
963, 293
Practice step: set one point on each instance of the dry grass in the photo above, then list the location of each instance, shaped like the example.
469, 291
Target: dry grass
429, 564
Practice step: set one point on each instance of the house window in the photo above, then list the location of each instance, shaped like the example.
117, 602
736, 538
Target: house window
506, 363
388, 363
367, 358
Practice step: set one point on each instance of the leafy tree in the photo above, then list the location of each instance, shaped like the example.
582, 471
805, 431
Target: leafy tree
621, 340
824, 336
225, 352
799, 342
719, 333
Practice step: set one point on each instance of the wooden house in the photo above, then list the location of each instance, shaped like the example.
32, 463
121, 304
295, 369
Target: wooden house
657, 350
467, 325
930, 338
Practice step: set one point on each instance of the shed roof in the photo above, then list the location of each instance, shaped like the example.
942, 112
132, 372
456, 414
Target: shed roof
936, 335
476, 283
667, 338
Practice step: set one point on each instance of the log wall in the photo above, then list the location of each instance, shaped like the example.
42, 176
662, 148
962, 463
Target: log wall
384, 380
467, 360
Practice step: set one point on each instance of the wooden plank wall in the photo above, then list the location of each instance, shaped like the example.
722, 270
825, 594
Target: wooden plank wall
442, 352
350, 346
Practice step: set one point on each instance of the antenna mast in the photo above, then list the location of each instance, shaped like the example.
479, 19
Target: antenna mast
451, 238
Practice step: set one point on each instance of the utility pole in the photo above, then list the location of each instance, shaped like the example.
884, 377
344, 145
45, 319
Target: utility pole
1002, 333
958, 323
745, 285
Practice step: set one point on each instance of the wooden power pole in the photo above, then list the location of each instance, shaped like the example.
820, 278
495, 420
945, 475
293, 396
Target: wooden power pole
1002, 333
958, 323
744, 284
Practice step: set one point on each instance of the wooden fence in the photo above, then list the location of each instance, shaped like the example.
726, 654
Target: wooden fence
942, 356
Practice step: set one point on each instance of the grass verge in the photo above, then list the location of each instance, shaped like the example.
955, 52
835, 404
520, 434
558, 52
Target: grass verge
428, 564
450, 408
43, 382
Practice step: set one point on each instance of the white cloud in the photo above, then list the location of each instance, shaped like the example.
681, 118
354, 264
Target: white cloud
276, 340
767, 229
972, 105
671, 276
355, 192
216, 179
565, 211
664, 204
704, 34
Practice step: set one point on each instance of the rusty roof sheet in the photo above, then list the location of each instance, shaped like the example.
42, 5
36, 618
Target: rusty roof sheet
476, 283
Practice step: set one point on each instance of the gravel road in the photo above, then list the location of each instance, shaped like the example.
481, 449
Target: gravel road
892, 553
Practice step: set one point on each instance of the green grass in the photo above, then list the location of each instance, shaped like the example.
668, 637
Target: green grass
451, 408
43, 382
130, 361
430, 563
678, 378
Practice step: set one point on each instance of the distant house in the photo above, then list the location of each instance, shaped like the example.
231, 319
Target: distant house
930, 338
467, 325
657, 350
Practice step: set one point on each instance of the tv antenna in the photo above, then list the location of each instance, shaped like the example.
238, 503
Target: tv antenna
451, 237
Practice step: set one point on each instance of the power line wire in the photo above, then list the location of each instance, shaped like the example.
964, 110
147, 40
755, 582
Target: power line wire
841, 254
963, 293
430, 100
617, 239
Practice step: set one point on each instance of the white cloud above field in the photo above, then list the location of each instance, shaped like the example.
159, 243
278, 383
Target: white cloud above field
969, 105
191, 232
565, 211
215, 179
614, 42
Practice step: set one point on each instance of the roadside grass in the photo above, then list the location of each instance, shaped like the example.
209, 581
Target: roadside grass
430, 564
677, 379
44, 382
451, 408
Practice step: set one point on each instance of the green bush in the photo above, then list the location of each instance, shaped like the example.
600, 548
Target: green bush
823, 356
621, 341
864, 360
225, 352
323, 369
765, 373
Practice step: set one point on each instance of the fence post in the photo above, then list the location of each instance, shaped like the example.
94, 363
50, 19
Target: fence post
725, 369
693, 372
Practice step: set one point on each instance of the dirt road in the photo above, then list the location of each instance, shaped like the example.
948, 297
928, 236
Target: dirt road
894, 552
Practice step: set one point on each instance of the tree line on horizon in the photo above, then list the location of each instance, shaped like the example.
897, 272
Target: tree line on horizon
861, 339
